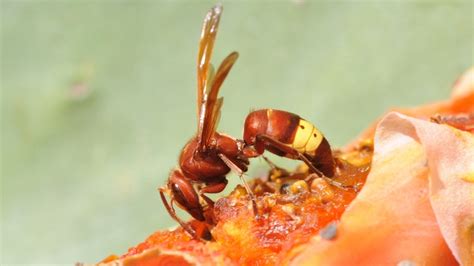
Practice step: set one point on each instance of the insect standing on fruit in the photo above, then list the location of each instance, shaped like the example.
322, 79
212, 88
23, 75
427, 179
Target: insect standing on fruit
209, 156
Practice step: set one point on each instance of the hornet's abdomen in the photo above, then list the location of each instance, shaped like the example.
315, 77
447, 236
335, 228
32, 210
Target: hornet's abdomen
285, 127
292, 131
307, 138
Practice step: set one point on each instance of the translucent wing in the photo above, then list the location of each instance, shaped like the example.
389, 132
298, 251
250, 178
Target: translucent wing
216, 115
210, 110
206, 45
202, 122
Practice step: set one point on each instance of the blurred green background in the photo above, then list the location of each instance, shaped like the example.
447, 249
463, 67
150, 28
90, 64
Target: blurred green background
98, 99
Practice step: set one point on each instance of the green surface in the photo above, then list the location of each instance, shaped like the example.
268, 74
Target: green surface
79, 174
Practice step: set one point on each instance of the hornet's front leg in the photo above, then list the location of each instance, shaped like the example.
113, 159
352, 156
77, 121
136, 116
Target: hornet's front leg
240, 173
211, 187
183, 192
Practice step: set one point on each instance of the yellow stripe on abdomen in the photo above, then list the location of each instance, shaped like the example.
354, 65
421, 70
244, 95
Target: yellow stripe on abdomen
307, 138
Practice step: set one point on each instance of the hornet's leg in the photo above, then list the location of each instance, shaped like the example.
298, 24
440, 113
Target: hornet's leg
291, 151
212, 187
182, 191
173, 215
240, 173
275, 167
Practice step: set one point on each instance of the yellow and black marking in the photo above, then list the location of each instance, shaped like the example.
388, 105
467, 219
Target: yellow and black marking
307, 138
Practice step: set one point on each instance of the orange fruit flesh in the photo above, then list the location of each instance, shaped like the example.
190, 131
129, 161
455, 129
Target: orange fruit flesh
292, 208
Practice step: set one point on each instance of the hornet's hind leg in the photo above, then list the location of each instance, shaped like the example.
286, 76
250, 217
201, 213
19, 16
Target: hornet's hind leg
275, 168
267, 140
